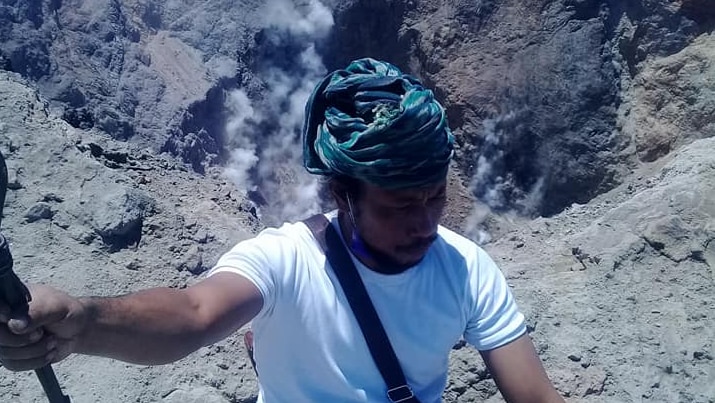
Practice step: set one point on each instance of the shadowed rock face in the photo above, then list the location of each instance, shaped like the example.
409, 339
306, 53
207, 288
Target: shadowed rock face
75, 51
110, 64
533, 97
701, 11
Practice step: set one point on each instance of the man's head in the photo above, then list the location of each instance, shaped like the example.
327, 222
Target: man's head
390, 227
383, 140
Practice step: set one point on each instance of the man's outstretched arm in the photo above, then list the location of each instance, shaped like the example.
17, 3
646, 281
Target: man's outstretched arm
153, 326
518, 373
162, 325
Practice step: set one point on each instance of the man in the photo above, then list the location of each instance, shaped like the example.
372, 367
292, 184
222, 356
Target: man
383, 143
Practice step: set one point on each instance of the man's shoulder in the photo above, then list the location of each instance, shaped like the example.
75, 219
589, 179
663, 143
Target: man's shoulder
275, 248
289, 235
464, 248
456, 240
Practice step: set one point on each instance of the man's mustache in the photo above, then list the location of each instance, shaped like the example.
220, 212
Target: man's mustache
420, 243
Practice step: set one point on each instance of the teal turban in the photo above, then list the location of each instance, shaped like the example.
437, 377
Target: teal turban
374, 123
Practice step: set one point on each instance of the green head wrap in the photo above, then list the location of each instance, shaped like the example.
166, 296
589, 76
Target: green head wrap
374, 123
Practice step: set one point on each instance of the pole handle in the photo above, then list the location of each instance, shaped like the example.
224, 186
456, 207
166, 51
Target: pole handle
51, 386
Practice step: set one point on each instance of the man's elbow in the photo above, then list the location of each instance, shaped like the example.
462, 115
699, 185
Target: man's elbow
221, 305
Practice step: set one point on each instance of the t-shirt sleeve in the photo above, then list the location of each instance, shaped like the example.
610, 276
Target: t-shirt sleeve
260, 260
495, 319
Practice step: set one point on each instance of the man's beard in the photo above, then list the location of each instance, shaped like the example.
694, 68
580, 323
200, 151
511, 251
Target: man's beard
386, 264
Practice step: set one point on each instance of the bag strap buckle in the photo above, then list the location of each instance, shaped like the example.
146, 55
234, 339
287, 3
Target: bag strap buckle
400, 394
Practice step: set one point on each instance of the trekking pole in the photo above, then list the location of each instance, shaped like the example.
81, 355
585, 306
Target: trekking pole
14, 293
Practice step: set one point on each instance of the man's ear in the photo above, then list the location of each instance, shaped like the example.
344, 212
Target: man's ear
340, 195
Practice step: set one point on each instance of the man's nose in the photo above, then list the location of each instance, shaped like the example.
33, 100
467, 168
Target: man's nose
423, 222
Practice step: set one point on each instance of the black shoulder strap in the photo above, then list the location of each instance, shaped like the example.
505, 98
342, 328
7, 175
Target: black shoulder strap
361, 305
3, 184
317, 225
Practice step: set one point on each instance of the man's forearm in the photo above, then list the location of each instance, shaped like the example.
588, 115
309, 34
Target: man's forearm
153, 326
519, 374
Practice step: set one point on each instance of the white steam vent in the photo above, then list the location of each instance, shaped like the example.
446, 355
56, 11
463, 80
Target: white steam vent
264, 135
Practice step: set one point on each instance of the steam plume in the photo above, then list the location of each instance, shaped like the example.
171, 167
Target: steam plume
264, 134
505, 179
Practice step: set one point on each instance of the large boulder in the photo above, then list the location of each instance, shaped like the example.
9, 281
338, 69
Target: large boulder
117, 214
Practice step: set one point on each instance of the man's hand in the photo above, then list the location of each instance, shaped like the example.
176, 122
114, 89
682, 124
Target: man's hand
519, 374
46, 335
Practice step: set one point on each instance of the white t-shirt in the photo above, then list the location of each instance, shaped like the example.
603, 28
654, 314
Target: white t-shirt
307, 343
